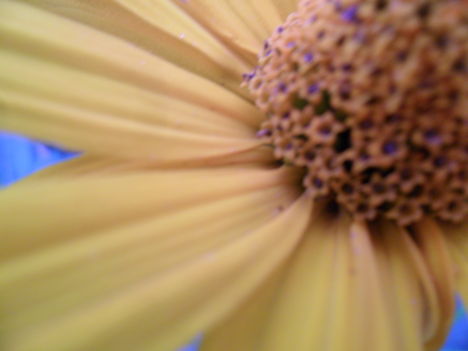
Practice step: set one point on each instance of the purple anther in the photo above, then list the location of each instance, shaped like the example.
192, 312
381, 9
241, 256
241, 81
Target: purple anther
393, 118
291, 44
338, 5
266, 45
313, 88
325, 130
440, 161
390, 147
350, 14
310, 156
406, 174
401, 56
360, 36
364, 157
268, 52
312, 18
282, 87
308, 57
248, 76
432, 137
285, 115
366, 124
263, 133
347, 67
318, 183
280, 29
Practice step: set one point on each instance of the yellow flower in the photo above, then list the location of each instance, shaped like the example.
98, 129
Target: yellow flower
177, 220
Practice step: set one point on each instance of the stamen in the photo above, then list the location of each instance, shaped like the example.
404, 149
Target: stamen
370, 97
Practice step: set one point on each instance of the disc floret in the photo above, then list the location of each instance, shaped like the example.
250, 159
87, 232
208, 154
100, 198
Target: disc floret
370, 97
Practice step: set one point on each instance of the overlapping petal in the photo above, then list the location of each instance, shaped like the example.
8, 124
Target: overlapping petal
112, 261
457, 238
285, 7
162, 29
348, 287
433, 246
241, 25
122, 100
86, 165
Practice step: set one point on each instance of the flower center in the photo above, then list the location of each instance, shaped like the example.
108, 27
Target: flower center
370, 97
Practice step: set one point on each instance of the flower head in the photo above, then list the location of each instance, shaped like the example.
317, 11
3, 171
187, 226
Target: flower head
376, 112
322, 208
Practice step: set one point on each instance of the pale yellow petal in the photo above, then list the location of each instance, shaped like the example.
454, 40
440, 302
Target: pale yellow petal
161, 28
285, 7
147, 283
86, 165
309, 291
87, 204
91, 165
239, 24
457, 239
243, 329
260, 254
269, 13
286, 318
433, 247
408, 303
347, 288
117, 94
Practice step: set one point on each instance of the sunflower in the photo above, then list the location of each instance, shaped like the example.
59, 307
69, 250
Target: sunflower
274, 175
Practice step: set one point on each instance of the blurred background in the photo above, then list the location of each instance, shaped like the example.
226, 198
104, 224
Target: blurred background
20, 156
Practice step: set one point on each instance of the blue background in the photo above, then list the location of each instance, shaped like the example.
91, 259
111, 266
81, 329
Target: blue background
20, 156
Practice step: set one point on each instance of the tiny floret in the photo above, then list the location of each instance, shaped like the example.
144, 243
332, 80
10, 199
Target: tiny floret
370, 97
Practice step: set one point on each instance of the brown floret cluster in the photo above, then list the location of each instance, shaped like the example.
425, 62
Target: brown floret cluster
371, 97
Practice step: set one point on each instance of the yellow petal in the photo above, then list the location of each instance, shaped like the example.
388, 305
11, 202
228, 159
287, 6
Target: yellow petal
239, 24
260, 255
113, 99
243, 329
285, 7
151, 281
96, 165
408, 303
269, 13
87, 204
161, 28
86, 165
457, 239
433, 246
346, 289
285, 319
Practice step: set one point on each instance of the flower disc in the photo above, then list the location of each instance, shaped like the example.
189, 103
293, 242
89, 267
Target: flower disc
370, 97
